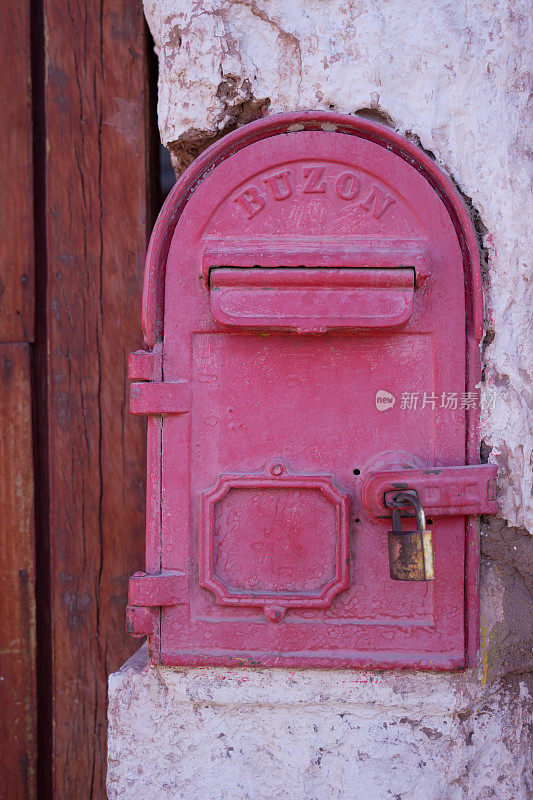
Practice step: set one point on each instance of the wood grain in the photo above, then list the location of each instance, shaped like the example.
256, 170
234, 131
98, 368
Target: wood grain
17, 578
18, 694
16, 182
97, 212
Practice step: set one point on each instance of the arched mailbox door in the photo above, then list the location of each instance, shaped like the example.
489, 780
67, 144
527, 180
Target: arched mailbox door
312, 296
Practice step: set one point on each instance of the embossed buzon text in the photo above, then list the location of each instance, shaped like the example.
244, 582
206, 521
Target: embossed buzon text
314, 179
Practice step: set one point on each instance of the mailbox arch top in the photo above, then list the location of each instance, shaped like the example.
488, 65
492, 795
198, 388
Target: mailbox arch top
154, 278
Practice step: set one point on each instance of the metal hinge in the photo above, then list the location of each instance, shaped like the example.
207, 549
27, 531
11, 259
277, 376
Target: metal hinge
160, 398
146, 365
147, 594
443, 491
149, 394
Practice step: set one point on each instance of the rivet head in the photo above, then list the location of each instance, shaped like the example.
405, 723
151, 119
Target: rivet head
274, 613
276, 469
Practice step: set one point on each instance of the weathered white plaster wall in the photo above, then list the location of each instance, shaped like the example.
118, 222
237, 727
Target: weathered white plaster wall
215, 734
453, 75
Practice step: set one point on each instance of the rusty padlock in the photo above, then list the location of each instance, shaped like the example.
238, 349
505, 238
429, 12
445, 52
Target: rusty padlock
410, 552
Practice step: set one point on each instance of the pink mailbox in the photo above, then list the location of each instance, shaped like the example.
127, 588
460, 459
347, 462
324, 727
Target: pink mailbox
313, 313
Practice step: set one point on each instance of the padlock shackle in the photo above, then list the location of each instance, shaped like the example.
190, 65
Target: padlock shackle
410, 499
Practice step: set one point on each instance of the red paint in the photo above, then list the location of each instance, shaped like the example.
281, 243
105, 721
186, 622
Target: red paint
291, 276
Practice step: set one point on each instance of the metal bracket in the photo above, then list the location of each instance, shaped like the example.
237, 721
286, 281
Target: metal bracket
164, 589
443, 491
160, 398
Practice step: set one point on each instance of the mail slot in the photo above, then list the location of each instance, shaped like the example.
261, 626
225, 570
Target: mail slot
311, 300
302, 268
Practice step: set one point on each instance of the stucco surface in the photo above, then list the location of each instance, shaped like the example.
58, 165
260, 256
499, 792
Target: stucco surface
454, 77
214, 734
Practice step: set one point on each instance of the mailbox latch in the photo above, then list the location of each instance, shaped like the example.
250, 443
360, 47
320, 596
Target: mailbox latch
443, 491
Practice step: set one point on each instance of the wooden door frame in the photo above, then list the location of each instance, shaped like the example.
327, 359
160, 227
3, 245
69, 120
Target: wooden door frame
79, 189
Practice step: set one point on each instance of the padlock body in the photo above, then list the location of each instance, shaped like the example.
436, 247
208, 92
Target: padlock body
411, 555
